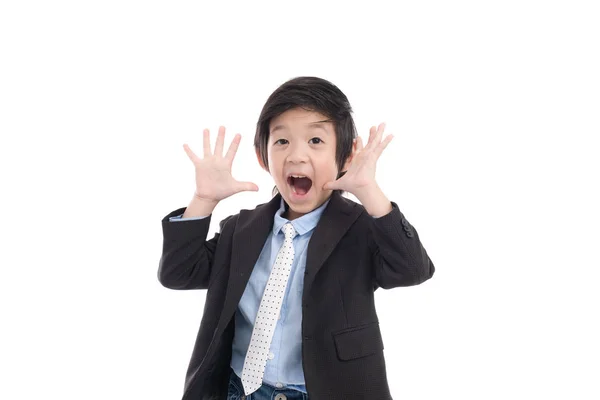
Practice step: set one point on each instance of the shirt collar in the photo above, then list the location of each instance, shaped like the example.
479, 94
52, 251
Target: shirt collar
303, 224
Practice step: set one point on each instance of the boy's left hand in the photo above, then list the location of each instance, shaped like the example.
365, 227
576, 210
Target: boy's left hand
360, 176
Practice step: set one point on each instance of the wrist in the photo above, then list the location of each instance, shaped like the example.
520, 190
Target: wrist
374, 200
367, 192
203, 200
199, 207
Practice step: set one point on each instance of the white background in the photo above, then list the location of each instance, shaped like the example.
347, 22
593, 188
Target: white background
495, 111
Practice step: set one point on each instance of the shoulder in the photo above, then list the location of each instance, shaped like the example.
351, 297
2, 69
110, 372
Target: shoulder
245, 214
348, 205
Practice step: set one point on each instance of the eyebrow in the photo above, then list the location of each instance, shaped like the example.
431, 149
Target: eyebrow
316, 124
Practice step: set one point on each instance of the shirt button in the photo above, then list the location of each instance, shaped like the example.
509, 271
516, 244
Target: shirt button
279, 385
271, 355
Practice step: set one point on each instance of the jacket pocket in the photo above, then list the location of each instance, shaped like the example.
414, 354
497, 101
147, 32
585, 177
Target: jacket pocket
359, 341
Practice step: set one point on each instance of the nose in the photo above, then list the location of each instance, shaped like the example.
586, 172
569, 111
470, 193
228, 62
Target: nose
297, 154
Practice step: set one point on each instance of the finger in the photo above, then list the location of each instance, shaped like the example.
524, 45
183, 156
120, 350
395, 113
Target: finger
355, 149
359, 145
371, 135
233, 147
331, 185
190, 153
207, 152
246, 186
220, 141
379, 134
383, 144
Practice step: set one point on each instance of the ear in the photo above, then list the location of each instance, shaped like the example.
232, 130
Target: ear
351, 156
260, 162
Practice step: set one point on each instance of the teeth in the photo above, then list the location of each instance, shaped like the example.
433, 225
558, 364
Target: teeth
299, 176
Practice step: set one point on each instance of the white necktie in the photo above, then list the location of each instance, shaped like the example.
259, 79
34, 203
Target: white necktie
268, 312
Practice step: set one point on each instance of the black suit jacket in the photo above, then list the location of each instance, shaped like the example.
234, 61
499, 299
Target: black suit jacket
350, 255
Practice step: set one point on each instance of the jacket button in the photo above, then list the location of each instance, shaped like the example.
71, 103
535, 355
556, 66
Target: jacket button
406, 228
404, 222
410, 234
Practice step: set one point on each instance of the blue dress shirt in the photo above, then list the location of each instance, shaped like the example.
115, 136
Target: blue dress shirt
284, 362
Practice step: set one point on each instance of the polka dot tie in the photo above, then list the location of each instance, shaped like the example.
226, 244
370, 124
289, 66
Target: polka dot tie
268, 313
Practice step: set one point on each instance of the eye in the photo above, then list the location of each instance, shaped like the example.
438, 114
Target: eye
316, 138
279, 140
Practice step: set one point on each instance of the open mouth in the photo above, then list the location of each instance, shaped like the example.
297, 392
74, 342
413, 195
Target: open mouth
300, 184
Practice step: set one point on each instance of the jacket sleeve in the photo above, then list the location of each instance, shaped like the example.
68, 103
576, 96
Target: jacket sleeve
187, 257
398, 256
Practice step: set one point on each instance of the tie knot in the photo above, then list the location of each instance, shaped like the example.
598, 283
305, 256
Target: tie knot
289, 231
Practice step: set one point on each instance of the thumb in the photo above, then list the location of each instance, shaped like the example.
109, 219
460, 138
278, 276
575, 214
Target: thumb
331, 185
245, 186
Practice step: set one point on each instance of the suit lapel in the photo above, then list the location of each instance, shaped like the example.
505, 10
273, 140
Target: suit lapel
253, 228
249, 238
335, 221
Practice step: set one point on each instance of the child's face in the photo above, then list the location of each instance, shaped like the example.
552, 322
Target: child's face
301, 145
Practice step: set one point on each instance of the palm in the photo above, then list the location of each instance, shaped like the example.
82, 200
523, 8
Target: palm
361, 172
214, 181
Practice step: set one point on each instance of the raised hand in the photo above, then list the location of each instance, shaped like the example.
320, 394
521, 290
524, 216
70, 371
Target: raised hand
213, 172
360, 177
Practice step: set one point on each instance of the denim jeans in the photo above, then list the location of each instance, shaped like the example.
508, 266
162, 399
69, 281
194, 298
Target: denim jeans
265, 392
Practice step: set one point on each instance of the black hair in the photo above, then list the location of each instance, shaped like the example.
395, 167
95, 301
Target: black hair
311, 94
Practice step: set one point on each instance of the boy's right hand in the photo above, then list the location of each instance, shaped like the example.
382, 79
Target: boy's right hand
213, 172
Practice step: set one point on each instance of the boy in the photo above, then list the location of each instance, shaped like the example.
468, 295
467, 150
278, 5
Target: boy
289, 310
